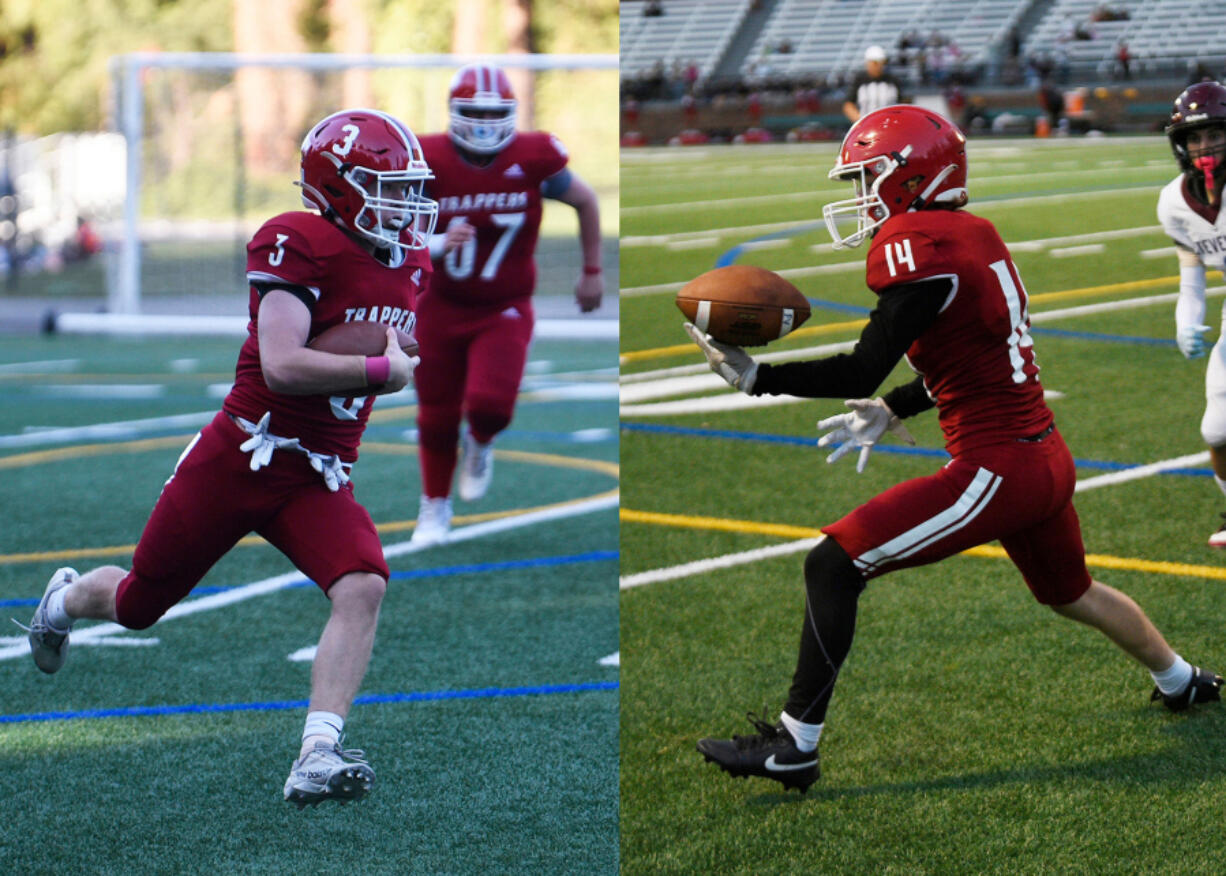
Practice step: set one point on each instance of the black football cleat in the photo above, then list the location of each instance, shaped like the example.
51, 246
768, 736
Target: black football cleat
770, 753
1205, 687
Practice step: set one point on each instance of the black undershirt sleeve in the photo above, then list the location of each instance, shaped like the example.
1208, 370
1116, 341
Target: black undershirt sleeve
302, 293
909, 399
903, 313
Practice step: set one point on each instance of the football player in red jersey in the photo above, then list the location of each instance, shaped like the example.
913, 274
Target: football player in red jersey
276, 458
950, 298
476, 320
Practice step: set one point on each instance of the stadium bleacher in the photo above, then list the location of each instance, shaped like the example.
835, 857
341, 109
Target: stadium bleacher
829, 36
688, 32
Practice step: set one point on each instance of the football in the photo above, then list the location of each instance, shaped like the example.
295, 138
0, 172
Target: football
360, 339
743, 305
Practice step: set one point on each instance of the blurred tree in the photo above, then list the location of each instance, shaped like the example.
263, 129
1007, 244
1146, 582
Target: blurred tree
55, 54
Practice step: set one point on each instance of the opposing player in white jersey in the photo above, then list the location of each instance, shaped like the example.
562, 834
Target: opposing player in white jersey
1189, 209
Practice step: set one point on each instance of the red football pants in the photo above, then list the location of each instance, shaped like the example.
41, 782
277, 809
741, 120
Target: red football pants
1019, 492
472, 362
214, 498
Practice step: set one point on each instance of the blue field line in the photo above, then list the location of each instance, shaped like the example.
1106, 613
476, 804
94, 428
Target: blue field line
729, 257
283, 705
901, 450
439, 572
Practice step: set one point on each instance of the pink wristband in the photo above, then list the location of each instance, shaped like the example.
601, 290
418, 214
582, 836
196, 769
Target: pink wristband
377, 370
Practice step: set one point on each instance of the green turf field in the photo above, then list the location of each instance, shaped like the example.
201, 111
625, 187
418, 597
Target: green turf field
972, 731
489, 712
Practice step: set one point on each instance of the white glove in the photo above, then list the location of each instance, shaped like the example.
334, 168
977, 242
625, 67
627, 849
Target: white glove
863, 427
332, 470
261, 444
727, 360
1191, 340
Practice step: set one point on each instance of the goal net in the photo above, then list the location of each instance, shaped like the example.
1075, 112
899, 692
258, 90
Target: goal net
213, 148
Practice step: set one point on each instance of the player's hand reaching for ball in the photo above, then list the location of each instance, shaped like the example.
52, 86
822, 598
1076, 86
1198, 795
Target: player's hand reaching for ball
868, 421
727, 360
400, 364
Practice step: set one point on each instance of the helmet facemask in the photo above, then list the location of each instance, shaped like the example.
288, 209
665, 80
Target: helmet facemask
394, 203
1204, 162
473, 130
867, 208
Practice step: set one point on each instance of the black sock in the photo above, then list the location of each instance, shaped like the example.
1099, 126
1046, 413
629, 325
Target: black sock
832, 589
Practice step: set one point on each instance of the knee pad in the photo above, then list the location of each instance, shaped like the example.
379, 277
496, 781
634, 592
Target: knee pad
827, 567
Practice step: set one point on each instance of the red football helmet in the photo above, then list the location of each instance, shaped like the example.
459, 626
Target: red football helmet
900, 158
482, 109
1200, 106
366, 170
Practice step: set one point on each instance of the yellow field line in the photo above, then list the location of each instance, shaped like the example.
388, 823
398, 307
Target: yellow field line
833, 327
752, 527
550, 459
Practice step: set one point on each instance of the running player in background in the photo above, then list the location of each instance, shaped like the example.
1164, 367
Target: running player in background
476, 320
1190, 210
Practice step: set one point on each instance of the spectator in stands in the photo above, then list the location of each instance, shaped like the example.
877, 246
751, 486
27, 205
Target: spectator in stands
1051, 100
1123, 60
84, 244
653, 8
872, 88
1198, 72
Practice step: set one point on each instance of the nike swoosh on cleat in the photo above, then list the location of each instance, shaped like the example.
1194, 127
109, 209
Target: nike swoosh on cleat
783, 767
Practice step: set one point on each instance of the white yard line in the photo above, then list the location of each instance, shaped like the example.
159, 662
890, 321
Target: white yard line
727, 561
1142, 471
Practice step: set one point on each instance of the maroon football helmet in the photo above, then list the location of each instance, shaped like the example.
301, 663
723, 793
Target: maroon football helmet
1200, 106
365, 169
900, 158
482, 107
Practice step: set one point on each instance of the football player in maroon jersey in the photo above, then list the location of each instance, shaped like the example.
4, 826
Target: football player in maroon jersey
950, 298
476, 319
276, 459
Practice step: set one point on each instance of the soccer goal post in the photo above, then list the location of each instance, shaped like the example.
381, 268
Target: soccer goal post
212, 152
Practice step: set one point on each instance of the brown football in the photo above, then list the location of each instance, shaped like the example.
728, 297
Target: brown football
360, 339
743, 305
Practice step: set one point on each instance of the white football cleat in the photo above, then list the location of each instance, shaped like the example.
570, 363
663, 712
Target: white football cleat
433, 522
48, 645
327, 772
1218, 539
476, 469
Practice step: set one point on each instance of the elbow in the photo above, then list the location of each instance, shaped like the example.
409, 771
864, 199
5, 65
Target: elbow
278, 379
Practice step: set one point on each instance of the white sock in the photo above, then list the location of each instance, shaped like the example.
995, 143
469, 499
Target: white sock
322, 727
1174, 679
806, 736
56, 616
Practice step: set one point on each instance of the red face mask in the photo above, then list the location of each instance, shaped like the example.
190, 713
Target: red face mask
1206, 164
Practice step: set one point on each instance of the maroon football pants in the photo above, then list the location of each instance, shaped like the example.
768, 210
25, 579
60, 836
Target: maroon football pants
213, 499
472, 361
1020, 492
